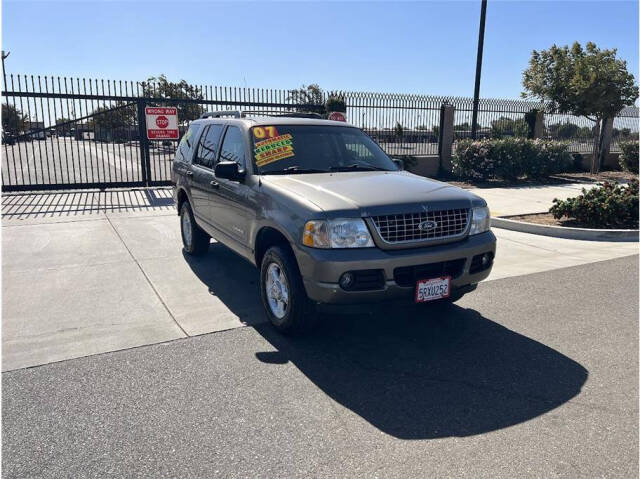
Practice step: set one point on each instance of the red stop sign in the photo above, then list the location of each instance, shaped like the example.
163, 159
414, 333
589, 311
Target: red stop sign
337, 116
162, 122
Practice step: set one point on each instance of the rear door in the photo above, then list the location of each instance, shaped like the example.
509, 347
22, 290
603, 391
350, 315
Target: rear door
203, 182
181, 171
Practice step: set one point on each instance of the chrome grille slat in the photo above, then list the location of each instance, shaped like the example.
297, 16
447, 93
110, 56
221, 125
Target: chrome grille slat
403, 228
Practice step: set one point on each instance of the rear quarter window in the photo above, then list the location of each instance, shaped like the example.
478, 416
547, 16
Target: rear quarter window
185, 147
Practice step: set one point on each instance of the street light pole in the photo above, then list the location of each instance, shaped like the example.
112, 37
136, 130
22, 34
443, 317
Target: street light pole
4, 73
476, 92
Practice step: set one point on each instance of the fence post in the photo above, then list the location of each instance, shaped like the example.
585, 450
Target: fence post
445, 143
145, 164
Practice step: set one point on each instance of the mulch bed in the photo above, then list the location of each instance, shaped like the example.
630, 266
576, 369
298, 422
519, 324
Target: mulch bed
549, 220
504, 184
559, 179
619, 176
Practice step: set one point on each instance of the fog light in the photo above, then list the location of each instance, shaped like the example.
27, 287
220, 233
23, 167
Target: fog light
346, 280
486, 259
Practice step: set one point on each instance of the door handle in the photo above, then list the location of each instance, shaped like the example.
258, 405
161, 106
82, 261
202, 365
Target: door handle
189, 173
215, 184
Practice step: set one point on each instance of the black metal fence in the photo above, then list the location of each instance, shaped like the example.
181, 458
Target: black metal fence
63, 133
401, 124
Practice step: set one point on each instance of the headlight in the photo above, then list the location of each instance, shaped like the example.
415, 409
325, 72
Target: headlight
341, 233
480, 220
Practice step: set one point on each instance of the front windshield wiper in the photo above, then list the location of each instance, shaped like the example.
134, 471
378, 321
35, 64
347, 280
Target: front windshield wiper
356, 166
294, 169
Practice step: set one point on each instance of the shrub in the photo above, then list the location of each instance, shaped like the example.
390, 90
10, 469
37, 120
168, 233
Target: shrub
510, 158
608, 206
629, 156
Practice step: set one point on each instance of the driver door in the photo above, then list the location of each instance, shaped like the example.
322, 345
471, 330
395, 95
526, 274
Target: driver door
232, 202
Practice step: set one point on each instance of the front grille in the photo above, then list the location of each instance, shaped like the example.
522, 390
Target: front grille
409, 275
404, 228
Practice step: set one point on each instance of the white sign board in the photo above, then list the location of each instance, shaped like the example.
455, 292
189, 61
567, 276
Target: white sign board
162, 123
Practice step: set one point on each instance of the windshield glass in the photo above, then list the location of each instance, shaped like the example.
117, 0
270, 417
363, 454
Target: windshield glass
315, 149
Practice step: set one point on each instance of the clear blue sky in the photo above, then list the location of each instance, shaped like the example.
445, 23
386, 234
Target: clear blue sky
424, 47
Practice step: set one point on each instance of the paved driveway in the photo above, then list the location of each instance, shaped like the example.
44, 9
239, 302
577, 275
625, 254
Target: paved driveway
532, 376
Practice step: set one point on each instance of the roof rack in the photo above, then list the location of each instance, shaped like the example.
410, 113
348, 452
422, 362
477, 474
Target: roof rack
219, 114
290, 114
243, 114
302, 115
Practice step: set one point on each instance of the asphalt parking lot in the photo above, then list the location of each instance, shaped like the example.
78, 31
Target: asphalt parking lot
531, 376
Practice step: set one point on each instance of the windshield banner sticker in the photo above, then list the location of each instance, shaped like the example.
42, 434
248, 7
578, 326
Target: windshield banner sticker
273, 148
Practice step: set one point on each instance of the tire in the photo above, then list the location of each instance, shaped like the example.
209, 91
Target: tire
284, 299
194, 240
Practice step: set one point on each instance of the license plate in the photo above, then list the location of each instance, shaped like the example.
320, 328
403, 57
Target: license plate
432, 289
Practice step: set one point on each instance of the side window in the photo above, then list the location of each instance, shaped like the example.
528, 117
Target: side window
208, 146
187, 142
233, 146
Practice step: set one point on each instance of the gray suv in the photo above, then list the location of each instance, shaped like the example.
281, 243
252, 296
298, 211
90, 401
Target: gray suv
326, 215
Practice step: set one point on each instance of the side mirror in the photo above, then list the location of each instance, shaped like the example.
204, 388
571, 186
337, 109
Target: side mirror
229, 170
399, 163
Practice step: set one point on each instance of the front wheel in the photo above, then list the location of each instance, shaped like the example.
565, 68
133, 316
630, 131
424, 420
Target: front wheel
283, 296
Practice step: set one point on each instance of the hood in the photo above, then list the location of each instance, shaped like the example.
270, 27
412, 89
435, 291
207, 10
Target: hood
374, 192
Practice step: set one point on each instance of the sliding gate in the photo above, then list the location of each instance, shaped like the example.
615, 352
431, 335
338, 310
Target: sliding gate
66, 133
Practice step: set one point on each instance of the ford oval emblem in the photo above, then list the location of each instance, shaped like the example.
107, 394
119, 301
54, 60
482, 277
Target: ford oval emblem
427, 225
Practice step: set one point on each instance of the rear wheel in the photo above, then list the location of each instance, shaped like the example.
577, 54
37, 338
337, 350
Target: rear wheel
194, 240
283, 296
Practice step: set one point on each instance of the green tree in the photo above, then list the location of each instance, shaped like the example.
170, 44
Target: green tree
563, 131
586, 132
398, 130
462, 127
308, 99
160, 87
624, 134
111, 122
335, 102
586, 82
13, 121
64, 127
507, 127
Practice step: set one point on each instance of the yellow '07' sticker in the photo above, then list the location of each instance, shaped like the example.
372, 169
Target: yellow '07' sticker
271, 146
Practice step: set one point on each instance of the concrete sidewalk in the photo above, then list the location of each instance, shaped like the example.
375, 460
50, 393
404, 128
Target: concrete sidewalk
81, 284
86, 204
521, 200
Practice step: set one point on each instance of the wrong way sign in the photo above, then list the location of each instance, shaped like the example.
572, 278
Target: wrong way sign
162, 123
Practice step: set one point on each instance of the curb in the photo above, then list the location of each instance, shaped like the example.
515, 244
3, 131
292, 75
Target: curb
586, 234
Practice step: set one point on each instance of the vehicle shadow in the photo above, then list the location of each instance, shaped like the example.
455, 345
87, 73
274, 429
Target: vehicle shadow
417, 373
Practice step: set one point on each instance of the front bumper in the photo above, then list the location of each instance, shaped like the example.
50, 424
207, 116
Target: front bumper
322, 268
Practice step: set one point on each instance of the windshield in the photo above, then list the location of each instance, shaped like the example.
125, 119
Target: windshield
284, 149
